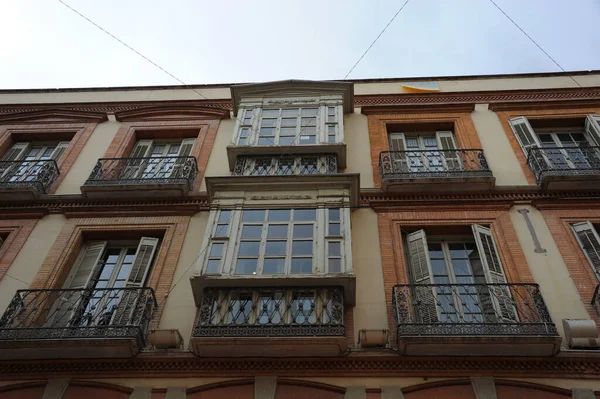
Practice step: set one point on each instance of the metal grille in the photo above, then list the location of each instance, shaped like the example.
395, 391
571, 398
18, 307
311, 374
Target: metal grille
270, 166
149, 170
471, 309
79, 313
433, 164
564, 161
40, 174
271, 312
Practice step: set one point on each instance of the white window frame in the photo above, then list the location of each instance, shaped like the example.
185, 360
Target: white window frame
321, 240
330, 116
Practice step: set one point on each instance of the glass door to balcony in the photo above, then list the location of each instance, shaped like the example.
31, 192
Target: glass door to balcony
565, 150
157, 159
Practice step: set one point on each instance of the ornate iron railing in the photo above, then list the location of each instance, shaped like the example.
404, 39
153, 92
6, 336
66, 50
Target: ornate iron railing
471, 309
433, 163
564, 161
300, 165
150, 170
79, 313
596, 299
271, 312
40, 174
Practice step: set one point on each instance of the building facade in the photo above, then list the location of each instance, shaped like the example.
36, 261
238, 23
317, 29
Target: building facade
298, 239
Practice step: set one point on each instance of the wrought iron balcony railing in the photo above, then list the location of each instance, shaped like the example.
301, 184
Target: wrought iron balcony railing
40, 174
150, 170
281, 166
433, 164
564, 161
471, 309
596, 299
79, 314
271, 312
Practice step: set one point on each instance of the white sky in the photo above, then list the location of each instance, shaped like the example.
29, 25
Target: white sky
44, 44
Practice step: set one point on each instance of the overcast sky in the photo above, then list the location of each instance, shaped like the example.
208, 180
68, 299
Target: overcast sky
44, 44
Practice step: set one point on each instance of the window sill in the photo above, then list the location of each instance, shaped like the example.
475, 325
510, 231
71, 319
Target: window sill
346, 281
339, 149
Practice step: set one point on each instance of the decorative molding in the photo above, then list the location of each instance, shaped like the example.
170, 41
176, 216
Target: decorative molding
583, 393
179, 112
391, 392
418, 108
54, 115
190, 366
356, 392
176, 393
141, 393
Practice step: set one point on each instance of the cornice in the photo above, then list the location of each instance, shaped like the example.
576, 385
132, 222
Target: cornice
380, 366
174, 112
418, 108
53, 115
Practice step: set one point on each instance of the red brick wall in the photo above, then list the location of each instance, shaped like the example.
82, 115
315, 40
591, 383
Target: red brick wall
17, 232
27, 390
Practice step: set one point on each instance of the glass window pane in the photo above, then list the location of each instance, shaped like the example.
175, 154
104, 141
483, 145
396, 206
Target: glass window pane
274, 266
308, 139
305, 214
309, 111
457, 251
331, 139
288, 122
213, 266
438, 267
334, 229
267, 131
268, 123
253, 215
301, 266
277, 231
249, 248
221, 230
308, 124
331, 118
330, 129
334, 249
244, 132
435, 251
331, 110
279, 215
266, 141
224, 216
302, 248
289, 112
243, 141
275, 248
303, 231
270, 113
287, 131
334, 214
245, 266
106, 272
335, 265
252, 232
285, 140
216, 250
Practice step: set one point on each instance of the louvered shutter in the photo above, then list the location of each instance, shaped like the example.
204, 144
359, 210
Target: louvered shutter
180, 170
592, 128
16, 152
589, 241
68, 306
59, 150
501, 299
398, 158
135, 167
424, 297
451, 158
133, 303
524, 133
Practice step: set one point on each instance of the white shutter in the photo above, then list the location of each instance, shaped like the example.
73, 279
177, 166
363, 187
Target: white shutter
398, 156
420, 266
592, 128
494, 274
14, 153
589, 241
185, 149
524, 133
135, 167
58, 151
451, 158
66, 306
129, 306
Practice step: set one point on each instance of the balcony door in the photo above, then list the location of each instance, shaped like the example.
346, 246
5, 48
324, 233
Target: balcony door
153, 159
100, 290
566, 150
31, 157
423, 152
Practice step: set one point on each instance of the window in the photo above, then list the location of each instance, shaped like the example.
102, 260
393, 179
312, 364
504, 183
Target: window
424, 152
102, 283
589, 241
33, 159
457, 272
278, 242
560, 147
154, 159
300, 125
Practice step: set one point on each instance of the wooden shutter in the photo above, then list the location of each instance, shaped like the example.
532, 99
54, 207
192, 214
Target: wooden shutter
58, 151
133, 302
524, 133
133, 169
592, 128
420, 266
185, 149
398, 156
589, 241
452, 160
67, 306
16, 152
501, 298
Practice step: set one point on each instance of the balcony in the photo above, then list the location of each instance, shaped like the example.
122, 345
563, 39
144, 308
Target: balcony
473, 320
565, 168
76, 323
286, 165
270, 322
141, 177
26, 180
435, 171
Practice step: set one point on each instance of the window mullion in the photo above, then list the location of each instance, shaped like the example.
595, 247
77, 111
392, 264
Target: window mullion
278, 126
234, 228
262, 246
288, 253
319, 242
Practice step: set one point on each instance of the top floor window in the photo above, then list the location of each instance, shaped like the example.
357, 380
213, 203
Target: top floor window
290, 125
31, 161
